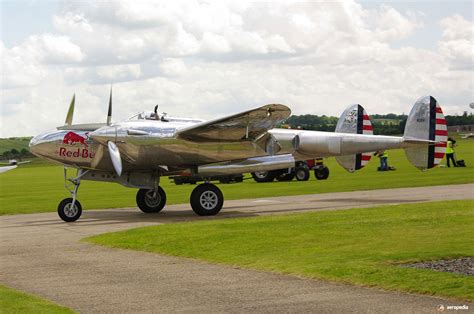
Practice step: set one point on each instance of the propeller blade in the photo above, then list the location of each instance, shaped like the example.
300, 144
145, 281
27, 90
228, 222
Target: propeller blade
115, 157
109, 113
70, 112
98, 156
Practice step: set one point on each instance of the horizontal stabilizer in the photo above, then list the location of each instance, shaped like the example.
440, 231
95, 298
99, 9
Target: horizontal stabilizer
417, 141
245, 125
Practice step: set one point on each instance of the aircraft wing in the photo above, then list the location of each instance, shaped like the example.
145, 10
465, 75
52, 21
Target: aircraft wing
245, 125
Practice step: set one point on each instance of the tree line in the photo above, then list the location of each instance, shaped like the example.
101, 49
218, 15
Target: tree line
383, 124
16, 154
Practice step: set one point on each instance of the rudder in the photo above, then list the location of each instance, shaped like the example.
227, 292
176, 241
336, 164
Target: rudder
354, 120
426, 122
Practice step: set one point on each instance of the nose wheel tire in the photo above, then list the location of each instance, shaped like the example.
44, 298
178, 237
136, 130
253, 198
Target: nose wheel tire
206, 199
68, 212
150, 201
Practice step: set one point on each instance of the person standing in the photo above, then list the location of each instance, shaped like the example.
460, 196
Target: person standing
450, 152
383, 155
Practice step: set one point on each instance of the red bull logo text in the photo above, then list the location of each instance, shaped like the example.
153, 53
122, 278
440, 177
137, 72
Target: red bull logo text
72, 138
77, 153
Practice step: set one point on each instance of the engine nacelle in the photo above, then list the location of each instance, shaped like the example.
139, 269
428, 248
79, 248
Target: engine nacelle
318, 143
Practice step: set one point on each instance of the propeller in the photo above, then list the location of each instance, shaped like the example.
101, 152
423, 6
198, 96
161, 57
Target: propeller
114, 153
107, 135
70, 112
99, 154
109, 113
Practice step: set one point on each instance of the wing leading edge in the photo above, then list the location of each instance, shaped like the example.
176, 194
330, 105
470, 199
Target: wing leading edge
245, 125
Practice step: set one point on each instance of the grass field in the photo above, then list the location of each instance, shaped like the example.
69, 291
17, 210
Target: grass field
358, 246
38, 186
12, 301
14, 142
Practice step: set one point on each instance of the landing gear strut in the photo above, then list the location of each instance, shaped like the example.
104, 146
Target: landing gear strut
69, 209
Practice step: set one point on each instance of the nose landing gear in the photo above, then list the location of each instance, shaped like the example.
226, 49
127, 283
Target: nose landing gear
69, 209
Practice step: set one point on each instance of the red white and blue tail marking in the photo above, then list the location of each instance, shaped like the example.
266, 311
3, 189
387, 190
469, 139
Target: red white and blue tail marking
436, 152
366, 128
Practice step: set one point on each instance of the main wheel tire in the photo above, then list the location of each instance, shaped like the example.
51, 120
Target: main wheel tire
264, 176
302, 174
67, 212
206, 200
284, 175
321, 173
149, 203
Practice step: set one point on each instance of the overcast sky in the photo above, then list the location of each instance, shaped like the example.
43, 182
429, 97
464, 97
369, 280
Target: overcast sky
205, 59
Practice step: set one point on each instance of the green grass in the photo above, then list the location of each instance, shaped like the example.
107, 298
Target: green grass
12, 301
358, 246
7, 144
38, 186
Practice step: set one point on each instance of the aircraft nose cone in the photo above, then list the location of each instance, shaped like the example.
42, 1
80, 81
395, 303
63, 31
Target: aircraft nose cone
44, 145
33, 144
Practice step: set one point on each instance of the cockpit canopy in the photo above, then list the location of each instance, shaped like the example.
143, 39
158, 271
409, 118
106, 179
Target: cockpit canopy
146, 115
150, 115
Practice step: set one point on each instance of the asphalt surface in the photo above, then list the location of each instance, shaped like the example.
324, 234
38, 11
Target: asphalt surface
42, 255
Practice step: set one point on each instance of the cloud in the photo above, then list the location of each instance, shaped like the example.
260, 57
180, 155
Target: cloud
31, 62
457, 44
207, 59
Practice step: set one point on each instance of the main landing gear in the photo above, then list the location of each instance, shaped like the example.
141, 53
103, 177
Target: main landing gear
69, 209
206, 199
151, 201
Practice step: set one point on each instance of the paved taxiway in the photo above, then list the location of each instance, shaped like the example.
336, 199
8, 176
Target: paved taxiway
42, 255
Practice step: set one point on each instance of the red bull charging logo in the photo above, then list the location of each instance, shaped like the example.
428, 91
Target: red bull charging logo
72, 139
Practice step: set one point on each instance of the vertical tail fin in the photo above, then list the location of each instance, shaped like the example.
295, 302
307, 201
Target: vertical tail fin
426, 122
354, 120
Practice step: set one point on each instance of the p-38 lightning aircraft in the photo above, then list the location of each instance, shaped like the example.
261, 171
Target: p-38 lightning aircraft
138, 152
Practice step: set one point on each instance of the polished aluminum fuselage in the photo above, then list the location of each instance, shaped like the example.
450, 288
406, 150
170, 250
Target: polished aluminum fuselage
148, 145
144, 145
